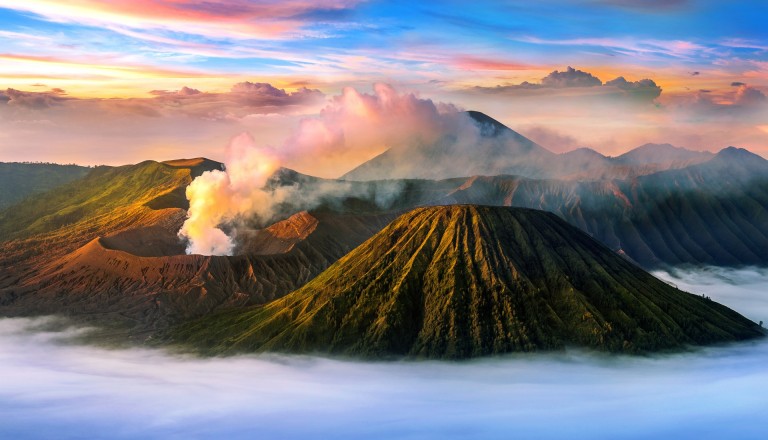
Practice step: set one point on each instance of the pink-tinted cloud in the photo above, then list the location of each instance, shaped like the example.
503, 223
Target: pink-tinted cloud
467, 62
351, 128
749, 96
52, 126
32, 100
245, 98
355, 126
570, 78
83, 67
214, 18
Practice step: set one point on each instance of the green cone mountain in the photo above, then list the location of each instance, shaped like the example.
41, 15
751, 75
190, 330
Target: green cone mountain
464, 281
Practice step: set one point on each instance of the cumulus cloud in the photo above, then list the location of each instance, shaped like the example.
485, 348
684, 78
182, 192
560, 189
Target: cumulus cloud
53, 388
749, 96
244, 98
746, 104
361, 125
570, 78
643, 90
264, 94
33, 100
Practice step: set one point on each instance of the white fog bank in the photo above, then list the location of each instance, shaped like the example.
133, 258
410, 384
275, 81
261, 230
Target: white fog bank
51, 389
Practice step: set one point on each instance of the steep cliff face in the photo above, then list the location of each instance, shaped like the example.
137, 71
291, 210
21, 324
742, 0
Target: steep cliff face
463, 281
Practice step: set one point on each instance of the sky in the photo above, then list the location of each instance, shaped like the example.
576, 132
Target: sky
95, 82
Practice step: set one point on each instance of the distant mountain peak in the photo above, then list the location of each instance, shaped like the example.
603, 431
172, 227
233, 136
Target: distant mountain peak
490, 127
736, 153
662, 153
498, 150
583, 152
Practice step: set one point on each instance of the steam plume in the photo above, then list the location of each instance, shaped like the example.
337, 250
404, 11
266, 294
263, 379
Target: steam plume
352, 128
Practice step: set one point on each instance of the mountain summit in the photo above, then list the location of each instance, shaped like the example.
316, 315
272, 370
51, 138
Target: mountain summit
478, 145
463, 281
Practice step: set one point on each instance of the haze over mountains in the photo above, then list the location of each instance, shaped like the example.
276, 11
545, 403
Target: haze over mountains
105, 247
502, 151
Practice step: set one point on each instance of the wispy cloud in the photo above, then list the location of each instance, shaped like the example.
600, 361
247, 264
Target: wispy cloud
72, 69
627, 46
469, 62
647, 5
234, 19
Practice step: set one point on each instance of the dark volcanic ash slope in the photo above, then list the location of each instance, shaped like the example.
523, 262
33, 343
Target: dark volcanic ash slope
463, 281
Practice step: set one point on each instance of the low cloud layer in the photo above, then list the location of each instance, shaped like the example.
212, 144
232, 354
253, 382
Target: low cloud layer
48, 124
54, 389
170, 124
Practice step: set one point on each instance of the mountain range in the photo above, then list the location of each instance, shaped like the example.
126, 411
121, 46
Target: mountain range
104, 247
499, 150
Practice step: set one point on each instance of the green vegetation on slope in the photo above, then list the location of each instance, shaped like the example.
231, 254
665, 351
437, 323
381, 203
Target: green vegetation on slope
105, 191
21, 180
465, 281
108, 200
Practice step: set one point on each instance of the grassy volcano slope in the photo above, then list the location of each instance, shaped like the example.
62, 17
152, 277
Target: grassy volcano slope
463, 281
20, 180
104, 193
108, 200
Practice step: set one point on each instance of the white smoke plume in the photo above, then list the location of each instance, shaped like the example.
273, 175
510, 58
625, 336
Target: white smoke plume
352, 128
217, 196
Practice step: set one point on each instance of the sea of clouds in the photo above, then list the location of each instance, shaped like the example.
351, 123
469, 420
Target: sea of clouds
51, 387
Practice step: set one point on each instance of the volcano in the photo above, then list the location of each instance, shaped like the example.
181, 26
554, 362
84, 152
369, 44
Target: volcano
463, 281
